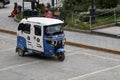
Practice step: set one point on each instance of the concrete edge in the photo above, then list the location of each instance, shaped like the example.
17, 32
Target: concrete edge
92, 32
88, 31
73, 44
77, 30
8, 31
93, 47
105, 34
104, 26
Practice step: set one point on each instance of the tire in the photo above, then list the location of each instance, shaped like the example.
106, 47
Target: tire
21, 52
2, 5
61, 56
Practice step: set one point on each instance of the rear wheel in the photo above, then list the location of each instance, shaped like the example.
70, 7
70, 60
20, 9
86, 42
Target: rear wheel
21, 52
61, 56
2, 5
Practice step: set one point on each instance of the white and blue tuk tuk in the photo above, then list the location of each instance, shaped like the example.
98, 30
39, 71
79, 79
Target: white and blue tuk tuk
41, 35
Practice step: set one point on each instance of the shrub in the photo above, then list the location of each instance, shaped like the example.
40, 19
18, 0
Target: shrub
84, 17
106, 3
107, 12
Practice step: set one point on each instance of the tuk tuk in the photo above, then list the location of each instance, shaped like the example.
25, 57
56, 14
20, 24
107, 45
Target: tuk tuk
41, 35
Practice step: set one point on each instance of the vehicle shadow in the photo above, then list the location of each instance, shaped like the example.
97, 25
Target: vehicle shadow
41, 57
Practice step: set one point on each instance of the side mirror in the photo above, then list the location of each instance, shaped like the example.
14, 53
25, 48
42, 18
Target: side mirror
20, 27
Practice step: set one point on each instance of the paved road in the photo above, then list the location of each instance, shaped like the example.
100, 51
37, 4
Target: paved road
5, 21
80, 64
88, 39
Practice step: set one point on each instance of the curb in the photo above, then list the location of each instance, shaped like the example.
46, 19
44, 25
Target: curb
105, 34
93, 47
73, 44
77, 30
8, 31
93, 32
89, 31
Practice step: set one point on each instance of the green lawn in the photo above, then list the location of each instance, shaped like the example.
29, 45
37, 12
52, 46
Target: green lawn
86, 25
70, 22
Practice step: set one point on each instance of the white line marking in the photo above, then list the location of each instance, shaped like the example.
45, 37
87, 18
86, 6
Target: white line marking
101, 57
20, 65
92, 73
88, 54
76, 52
28, 63
16, 66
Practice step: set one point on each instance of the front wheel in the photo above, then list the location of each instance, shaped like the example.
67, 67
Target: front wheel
61, 56
21, 52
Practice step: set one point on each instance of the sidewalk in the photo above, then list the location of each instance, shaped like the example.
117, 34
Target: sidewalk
112, 31
76, 37
90, 40
81, 38
94, 40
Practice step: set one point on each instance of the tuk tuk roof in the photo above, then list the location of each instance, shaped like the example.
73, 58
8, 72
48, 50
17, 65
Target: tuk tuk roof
43, 20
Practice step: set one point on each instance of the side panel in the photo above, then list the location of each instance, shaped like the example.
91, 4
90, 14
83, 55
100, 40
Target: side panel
24, 30
37, 37
21, 42
48, 49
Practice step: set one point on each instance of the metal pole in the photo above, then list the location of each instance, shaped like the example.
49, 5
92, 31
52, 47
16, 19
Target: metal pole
72, 17
92, 3
90, 23
23, 8
92, 12
33, 5
56, 3
53, 3
115, 18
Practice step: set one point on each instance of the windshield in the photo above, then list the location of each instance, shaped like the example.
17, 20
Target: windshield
54, 29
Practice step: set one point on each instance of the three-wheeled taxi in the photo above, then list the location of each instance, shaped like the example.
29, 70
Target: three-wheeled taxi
41, 35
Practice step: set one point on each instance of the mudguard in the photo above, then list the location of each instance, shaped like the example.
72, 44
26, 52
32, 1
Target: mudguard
60, 50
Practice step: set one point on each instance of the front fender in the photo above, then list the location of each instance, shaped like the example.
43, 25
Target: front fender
60, 50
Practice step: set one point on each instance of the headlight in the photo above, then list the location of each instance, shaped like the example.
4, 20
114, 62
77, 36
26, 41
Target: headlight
55, 43
52, 42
